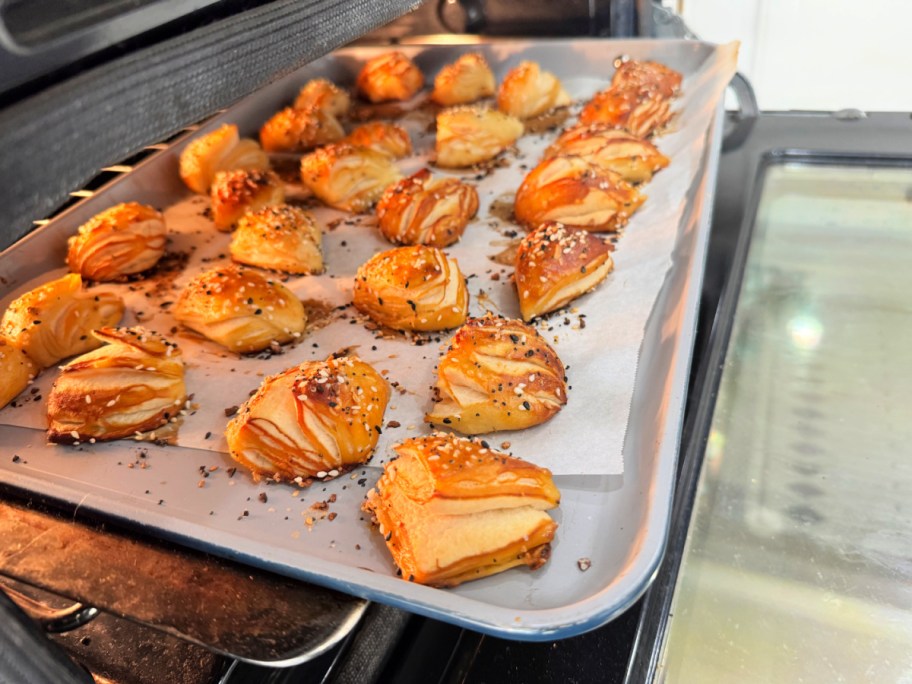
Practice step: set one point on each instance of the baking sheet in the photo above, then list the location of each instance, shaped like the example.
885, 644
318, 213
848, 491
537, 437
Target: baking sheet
188, 493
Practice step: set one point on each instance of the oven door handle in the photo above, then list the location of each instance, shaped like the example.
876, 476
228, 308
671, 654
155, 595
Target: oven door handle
738, 124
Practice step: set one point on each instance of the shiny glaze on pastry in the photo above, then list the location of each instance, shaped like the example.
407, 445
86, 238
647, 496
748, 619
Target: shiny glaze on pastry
132, 384
323, 95
315, 420
452, 510
635, 159
55, 320
497, 374
348, 177
234, 193
646, 76
423, 210
120, 241
17, 371
221, 150
527, 91
641, 113
574, 192
465, 81
412, 288
557, 264
299, 130
390, 139
392, 76
470, 135
240, 309
280, 237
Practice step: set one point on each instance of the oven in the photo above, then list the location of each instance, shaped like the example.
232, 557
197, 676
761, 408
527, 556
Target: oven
152, 610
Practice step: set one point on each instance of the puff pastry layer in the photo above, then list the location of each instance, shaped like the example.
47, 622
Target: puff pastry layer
55, 320
235, 192
497, 374
639, 112
299, 130
470, 135
412, 288
527, 91
221, 150
646, 76
280, 237
317, 419
120, 241
348, 177
392, 76
133, 384
390, 139
423, 210
555, 265
635, 159
452, 510
17, 370
323, 95
572, 191
240, 309
465, 81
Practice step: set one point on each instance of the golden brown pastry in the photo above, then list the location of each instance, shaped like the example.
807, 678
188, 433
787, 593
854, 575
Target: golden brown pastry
133, 384
325, 96
452, 510
299, 130
234, 193
55, 320
221, 150
280, 237
557, 264
317, 419
422, 210
639, 112
527, 91
384, 137
120, 241
649, 76
17, 370
470, 135
241, 309
348, 177
412, 288
392, 76
465, 81
497, 374
635, 159
574, 192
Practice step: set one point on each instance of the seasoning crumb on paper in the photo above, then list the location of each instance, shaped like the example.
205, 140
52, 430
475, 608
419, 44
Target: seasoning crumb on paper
584, 564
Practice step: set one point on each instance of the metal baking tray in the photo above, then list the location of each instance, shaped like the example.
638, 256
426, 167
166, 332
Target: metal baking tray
618, 523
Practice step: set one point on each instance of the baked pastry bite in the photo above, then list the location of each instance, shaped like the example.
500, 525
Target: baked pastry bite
632, 74
55, 320
390, 139
497, 374
635, 159
241, 309
572, 191
132, 384
555, 265
125, 239
470, 135
348, 177
391, 76
234, 193
222, 150
423, 210
527, 91
315, 420
299, 130
452, 510
323, 95
412, 288
17, 371
280, 237
465, 81
639, 112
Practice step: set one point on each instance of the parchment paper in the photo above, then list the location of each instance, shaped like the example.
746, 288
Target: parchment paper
598, 336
